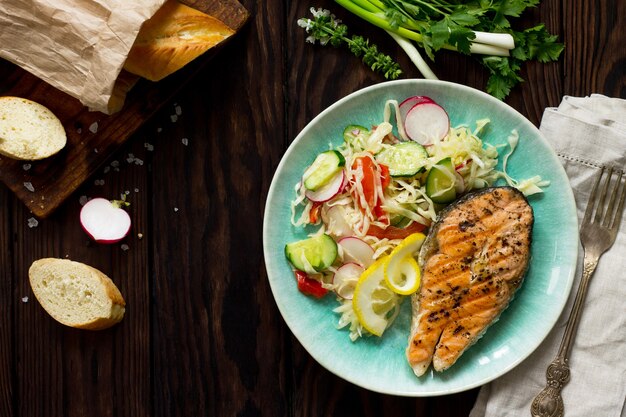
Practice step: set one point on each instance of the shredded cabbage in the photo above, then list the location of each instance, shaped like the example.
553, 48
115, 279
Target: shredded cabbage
349, 213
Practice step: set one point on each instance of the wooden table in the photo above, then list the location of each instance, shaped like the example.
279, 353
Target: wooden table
202, 334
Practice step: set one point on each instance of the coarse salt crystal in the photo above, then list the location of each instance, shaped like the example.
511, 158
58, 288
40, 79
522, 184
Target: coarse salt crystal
173, 118
32, 222
26, 167
29, 186
115, 164
185, 141
178, 110
83, 200
125, 247
175, 208
149, 147
24, 299
138, 161
159, 129
93, 128
136, 190
98, 182
106, 169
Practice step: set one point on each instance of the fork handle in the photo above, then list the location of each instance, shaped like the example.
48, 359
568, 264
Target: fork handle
549, 403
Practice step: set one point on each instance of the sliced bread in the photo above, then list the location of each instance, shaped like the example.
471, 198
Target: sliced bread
76, 294
28, 130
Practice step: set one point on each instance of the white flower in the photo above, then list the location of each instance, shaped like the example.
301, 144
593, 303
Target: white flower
320, 12
310, 39
307, 24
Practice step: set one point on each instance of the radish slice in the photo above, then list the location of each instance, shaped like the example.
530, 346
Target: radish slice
425, 122
345, 279
407, 104
357, 250
336, 224
104, 221
328, 191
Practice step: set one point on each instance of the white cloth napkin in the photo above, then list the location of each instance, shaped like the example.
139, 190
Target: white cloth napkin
586, 133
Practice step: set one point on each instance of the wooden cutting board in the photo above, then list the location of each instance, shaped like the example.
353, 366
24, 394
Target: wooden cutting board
92, 137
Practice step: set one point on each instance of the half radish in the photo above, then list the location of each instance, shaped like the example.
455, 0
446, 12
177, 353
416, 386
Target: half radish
357, 250
328, 191
105, 221
345, 279
426, 122
407, 104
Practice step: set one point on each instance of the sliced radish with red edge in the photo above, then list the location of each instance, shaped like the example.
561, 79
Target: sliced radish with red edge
328, 191
105, 221
407, 104
357, 250
425, 122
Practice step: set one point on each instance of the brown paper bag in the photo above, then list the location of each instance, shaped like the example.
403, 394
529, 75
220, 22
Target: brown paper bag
78, 46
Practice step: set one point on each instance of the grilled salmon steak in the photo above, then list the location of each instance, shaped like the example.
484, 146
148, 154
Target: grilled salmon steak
472, 261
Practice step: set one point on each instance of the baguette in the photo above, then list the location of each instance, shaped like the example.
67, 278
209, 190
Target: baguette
28, 130
173, 37
76, 294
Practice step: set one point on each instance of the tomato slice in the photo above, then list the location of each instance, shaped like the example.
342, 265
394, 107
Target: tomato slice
372, 172
392, 232
314, 214
310, 286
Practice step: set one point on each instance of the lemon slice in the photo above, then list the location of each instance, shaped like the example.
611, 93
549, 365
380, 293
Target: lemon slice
402, 274
373, 301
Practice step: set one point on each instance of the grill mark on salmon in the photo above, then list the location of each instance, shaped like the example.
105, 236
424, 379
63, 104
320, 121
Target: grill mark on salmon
473, 260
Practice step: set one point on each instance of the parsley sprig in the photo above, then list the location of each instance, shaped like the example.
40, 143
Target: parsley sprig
326, 28
469, 27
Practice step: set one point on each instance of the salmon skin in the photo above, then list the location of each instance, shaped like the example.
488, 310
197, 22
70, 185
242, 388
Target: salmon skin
473, 260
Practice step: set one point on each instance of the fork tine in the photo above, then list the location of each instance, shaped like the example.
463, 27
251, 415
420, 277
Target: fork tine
600, 208
592, 199
608, 215
620, 208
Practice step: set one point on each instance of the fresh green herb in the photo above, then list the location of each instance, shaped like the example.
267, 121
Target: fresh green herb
467, 26
325, 28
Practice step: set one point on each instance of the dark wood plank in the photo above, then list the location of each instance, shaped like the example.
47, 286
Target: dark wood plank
92, 136
215, 313
202, 335
64, 371
7, 301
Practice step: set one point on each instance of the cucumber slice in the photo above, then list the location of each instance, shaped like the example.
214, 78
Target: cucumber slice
400, 221
323, 169
440, 182
352, 131
404, 159
319, 251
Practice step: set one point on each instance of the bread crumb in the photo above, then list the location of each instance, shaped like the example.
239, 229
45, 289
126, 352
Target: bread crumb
26, 167
93, 128
139, 236
32, 222
125, 247
185, 141
29, 186
24, 299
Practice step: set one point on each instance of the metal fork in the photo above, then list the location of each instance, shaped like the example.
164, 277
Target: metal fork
597, 234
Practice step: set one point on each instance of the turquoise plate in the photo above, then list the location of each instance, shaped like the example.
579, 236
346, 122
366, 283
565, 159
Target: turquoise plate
379, 364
